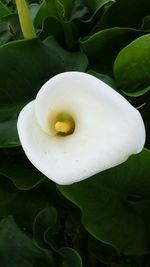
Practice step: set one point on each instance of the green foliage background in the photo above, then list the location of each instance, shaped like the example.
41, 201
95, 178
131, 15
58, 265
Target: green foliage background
103, 221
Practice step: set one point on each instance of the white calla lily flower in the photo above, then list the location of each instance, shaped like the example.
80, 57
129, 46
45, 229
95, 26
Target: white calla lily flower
78, 126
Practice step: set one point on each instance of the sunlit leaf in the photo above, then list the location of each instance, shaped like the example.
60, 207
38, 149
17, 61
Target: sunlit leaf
131, 67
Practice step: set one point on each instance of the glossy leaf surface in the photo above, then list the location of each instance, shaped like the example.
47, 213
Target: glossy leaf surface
115, 204
131, 67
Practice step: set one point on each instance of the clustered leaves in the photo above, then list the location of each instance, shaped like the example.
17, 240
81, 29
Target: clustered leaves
104, 220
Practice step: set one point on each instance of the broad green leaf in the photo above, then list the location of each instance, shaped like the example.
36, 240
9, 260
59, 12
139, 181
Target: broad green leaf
35, 206
70, 30
24, 205
3, 10
103, 47
95, 5
88, 25
115, 204
25, 78
19, 170
52, 26
8, 130
18, 249
103, 252
36, 63
71, 34
138, 93
54, 17
131, 67
47, 9
64, 9
73, 61
125, 13
23, 177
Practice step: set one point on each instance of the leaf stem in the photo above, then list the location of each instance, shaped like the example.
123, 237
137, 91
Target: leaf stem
25, 19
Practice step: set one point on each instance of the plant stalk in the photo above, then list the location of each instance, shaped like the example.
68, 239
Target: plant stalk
25, 19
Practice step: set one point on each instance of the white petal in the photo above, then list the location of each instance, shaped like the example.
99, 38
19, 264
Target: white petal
108, 129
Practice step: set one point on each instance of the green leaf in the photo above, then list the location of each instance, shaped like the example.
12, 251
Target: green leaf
71, 34
103, 252
9, 29
146, 24
95, 5
24, 205
79, 10
46, 9
20, 82
64, 9
17, 249
115, 204
44, 222
73, 61
24, 76
131, 67
3, 10
8, 130
45, 227
88, 25
102, 47
138, 93
52, 26
70, 258
125, 13
27, 207
23, 177
54, 17
18, 169
34, 9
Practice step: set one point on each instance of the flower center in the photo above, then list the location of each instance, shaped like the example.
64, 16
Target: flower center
64, 124
63, 127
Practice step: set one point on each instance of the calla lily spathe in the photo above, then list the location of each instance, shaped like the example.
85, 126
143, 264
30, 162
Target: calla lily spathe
78, 126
